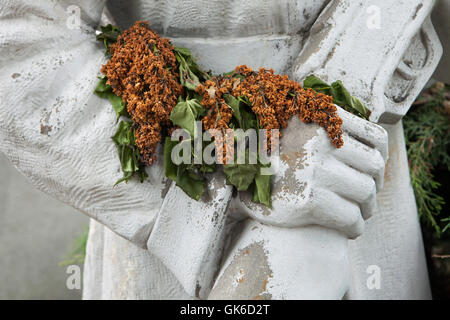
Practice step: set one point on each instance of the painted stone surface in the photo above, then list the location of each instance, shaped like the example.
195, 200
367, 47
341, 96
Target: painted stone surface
57, 133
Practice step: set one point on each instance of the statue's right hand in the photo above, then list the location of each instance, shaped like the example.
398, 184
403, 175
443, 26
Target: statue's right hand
52, 126
319, 184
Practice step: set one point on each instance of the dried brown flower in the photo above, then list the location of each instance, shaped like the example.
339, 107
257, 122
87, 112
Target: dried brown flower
274, 98
143, 72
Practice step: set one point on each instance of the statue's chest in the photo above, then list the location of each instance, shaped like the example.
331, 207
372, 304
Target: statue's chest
219, 18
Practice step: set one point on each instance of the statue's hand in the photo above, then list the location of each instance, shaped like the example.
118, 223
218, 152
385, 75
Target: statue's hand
317, 183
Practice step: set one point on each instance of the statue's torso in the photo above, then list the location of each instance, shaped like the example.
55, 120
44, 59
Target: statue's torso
226, 33
219, 18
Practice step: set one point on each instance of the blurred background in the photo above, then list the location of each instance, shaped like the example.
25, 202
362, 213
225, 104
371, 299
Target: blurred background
37, 234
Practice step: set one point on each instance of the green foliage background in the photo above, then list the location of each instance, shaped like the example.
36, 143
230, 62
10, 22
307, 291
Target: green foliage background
427, 135
77, 252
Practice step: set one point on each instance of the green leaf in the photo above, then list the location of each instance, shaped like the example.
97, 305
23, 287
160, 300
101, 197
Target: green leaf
128, 152
262, 189
118, 105
190, 182
183, 52
340, 95
317, 85
104, 90
123, 133
249, 119
170, 169
126, 177
245, 100
108, 36
234, 105
124, 137
343, 98
185, 113
185, 176
190, 73
129, 162
241, 175
188, 78
241, 112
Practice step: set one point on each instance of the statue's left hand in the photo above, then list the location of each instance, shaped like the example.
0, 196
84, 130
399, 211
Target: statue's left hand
316, 183
320, 197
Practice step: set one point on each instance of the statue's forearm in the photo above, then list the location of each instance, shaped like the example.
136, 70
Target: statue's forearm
383, 53
52, 127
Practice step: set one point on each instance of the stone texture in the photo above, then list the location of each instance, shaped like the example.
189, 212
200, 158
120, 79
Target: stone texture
56, 122
392, 240
386, 64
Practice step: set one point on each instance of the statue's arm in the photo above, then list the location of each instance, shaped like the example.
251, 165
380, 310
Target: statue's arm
53, 128
383, 52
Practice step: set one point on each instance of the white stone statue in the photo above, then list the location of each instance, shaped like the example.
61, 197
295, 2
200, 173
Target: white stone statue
150, 241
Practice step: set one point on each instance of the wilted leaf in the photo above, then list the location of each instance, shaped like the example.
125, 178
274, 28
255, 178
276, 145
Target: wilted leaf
241, 112
190, 73
185, 113
104, 90
170, 169
108, 36
241, 175
128, 152
211, 92
190, 182
340, 95
262, 189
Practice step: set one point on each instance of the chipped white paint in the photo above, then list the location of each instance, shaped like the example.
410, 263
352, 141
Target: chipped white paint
304, 263
188, 235
57, 133
314, 171
319, 200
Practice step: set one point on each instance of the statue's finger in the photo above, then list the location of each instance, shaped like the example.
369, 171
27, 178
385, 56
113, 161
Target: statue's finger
345, 181
369, 207
321, 207
364, 131
362, 157
335, 212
